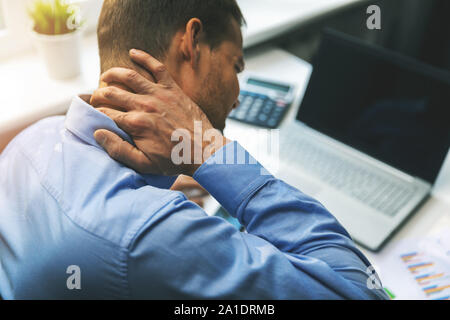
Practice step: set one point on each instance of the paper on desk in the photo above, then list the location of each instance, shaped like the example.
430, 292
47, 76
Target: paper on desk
419, 268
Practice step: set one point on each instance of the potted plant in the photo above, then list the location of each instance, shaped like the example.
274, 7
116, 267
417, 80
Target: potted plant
57, 36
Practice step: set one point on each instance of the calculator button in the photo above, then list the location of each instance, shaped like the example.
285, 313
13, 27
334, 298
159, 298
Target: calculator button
262, 117
240, 115
252, 115
272, 122
259, 102
267, 109
256, 108
244, 107
277, 111
247, 101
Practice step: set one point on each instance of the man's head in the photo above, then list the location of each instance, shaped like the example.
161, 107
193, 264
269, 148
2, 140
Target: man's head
199, 41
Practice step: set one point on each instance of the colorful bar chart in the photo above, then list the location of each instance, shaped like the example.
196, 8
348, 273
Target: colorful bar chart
430, 273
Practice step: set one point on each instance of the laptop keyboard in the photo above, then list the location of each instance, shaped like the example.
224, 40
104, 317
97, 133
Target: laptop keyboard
381, 192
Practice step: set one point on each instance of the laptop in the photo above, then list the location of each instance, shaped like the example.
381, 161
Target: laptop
370, 137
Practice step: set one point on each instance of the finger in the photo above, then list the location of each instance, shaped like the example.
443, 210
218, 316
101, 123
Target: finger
129, 78
116, 97
123, 152
120, 118
112, 113
158, 70
136, 124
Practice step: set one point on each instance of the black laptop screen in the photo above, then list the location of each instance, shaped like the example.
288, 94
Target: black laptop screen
390, 107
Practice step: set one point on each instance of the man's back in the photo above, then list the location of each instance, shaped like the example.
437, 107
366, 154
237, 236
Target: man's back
67, 205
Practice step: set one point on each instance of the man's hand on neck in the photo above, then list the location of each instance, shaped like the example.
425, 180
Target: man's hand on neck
152, 113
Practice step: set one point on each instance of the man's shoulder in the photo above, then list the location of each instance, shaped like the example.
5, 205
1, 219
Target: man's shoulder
32, 144
28, 137
98, 194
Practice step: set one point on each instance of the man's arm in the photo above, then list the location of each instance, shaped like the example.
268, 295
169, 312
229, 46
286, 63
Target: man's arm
294, 249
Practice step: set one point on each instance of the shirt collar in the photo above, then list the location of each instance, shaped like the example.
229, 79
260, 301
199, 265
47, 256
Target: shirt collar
83, 120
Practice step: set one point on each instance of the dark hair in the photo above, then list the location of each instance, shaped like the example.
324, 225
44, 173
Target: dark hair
150, 25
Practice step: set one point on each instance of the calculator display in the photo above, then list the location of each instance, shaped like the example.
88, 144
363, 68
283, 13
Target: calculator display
273, 86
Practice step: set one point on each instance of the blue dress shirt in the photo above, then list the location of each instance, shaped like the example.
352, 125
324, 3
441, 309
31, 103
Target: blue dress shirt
66, 205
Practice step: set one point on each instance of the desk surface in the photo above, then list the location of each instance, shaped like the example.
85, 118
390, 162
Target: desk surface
268, 19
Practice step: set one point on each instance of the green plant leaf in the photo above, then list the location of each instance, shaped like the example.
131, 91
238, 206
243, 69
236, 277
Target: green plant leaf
51, 16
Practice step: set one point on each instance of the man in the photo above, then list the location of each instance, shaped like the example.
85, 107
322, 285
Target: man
74, 223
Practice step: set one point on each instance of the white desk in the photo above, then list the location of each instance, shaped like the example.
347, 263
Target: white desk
268, 19
431, 218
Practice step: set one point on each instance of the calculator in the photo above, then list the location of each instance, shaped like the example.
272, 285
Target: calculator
263, 102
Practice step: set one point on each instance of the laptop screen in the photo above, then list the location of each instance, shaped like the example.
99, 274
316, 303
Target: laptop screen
388, 106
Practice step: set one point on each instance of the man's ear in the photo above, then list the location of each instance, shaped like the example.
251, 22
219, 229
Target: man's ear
191, 41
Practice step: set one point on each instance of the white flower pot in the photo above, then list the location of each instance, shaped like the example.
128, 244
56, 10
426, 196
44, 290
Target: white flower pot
61, 53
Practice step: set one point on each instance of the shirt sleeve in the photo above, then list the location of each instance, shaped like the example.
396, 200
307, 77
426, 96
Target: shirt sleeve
294, 248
